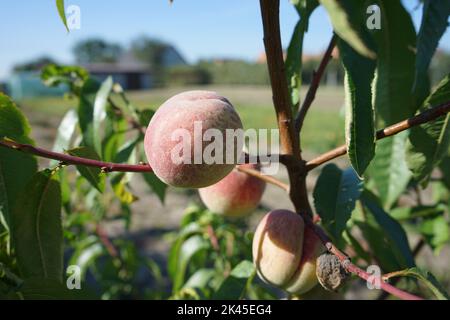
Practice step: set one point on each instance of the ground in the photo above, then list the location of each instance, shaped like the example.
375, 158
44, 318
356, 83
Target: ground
323, 130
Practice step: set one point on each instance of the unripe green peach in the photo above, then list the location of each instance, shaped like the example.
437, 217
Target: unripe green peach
277, 246
236, 195
183, 115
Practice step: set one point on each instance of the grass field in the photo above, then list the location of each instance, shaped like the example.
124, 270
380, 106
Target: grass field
323, 128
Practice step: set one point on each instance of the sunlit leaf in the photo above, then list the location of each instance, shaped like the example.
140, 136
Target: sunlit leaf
359, 113
429, 143
396, 41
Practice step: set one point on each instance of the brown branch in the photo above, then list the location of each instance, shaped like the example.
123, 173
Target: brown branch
68, 159
317, 77
350, 267
274, 53
268, 179
421, 118
290, 146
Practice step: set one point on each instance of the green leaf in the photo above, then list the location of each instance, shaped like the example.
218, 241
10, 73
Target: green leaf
62, 13
73, 76
13, 123
99, 113
394, 232
408, 213
190, 247
200, 278
86, 111
396, 41
428, 279
445, 168
37, 229
145, 116
120, 187
156, 185
359, 115
92, 174
235, 285
388, 170
429, 143
346, 17
436, 232
49, 289
174, 253
434, 23
87, 254
378, 243
294, 55
16, 169
335, 195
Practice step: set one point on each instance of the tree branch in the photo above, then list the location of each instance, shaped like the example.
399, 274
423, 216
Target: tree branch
317, 77
421, 118
350, 267
289, 140
68, 159
268, 179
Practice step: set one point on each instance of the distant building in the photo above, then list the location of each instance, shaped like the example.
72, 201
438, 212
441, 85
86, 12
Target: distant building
128, 72
172, 58
28, 84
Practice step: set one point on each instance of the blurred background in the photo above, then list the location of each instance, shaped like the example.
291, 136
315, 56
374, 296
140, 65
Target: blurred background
154, 50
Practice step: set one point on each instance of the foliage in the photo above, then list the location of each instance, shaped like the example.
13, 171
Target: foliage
54, 217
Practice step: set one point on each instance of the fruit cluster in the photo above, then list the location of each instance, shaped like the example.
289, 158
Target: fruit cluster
284, 250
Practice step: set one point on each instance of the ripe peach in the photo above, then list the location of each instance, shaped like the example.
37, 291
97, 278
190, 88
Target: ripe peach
236, 195
183, 113
277, 246
285, 252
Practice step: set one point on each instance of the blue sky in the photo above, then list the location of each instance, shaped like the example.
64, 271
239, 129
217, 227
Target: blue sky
198, 28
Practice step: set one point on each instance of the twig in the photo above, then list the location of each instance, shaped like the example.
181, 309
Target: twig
106, 242
268, 179
421, 118
350, 267
213, 237
317, 77
68, 159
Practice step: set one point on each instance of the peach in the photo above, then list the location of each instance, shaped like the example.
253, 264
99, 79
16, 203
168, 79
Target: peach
236, 195
305, 278
277, 246
285, 252
184, 113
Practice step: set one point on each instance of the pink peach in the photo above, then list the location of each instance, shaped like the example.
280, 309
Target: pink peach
182, 113
236, 195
